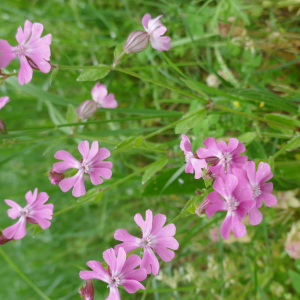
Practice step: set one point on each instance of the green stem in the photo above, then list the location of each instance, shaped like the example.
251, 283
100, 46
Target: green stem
15, 267
284, 147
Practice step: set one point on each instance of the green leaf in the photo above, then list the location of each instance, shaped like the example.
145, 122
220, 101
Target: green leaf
282, 119
99, 196
271, 163
247, 137
174, 177
118, 51
138, 142
95, 73
190, 120
127, 144
295, 143
71, 114
152, 146
295, 280
154, 168
195, 87
37, 230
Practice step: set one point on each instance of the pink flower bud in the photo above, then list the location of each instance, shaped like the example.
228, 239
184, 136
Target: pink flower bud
3, 239
87, 109
87, 291
55, 177
137, 41
2, 127
201, 208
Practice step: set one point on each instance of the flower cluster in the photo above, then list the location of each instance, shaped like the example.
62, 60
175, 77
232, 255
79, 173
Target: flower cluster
122, 271
238, 188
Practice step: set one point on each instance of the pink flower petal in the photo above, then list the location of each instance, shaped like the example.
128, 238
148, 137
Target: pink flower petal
148, 223
69, 162
23, 37
243, 208
160, 43
216, 203
198, 165
189, 168
99, 92
31, 197
15, 211
233, 144
226, 226
131, 286
75, 181
263, 171
185, 144
149, 261
25, 73
154, 23
120, 262
103, 153
41, 221
97, 267
40, 199
145, 20
159, 221
139, 274
169, 230
131, 263
7, 54
110, 101
238, 228
164, 253
238, 150
167, 242
255, 216
139, 221
16, 231
84, 149
114, 294
110, 258
3, 101
269, 199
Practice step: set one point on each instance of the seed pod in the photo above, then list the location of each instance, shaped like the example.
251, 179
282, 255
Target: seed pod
137, 41
87, 109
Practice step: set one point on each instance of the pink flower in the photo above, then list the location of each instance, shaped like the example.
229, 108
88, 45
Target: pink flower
33, 51
87, 291
236, 201
3, 101
155, 29
192, 163
155, 237
222, 155
99, 94
92, 164
261, 191
120, 272
35, 212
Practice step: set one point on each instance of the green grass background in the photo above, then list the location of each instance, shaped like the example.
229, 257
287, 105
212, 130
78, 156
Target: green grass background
203, 42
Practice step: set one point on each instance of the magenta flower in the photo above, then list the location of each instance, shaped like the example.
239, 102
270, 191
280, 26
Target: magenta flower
35, 212
92, 164
3, 101
155, 237
120, 272
33, 51
156, 29
261, 190
222, 155
192, 163
99, 94
236, 201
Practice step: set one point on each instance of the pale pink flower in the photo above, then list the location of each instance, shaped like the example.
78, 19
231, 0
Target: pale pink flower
222, 155
120, 272
99, 94
261, 190
193, 164
32, 51
236, 201
3, 101
35, 212
156, 29
293, 249
155, 237
92, 164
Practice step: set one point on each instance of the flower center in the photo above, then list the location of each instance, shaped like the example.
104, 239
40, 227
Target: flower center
85, 167
115, 281
188, 157
256, 191
24, 212
19, 49
232, 204
145, 243
227, 156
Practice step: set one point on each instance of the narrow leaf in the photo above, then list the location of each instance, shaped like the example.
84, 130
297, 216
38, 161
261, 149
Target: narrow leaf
71, 114
138, 142
98, 72
155, 168
295, 280
190, 120
247, 137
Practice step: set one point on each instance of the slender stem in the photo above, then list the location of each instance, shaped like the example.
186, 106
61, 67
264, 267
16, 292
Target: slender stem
285, 147
147, 287
118, 59
15, 267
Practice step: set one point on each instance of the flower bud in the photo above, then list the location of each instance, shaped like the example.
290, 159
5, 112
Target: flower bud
137, 41
55, 177
201, 208
3, 239
87, 109
2, 127
87, 291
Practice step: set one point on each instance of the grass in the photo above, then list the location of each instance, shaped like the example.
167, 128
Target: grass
254, 45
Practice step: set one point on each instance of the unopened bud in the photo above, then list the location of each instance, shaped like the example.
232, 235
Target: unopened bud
2, 127
87, 109
200, 209
87, 291
137, 41
198, 192
3, 239
55, 177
